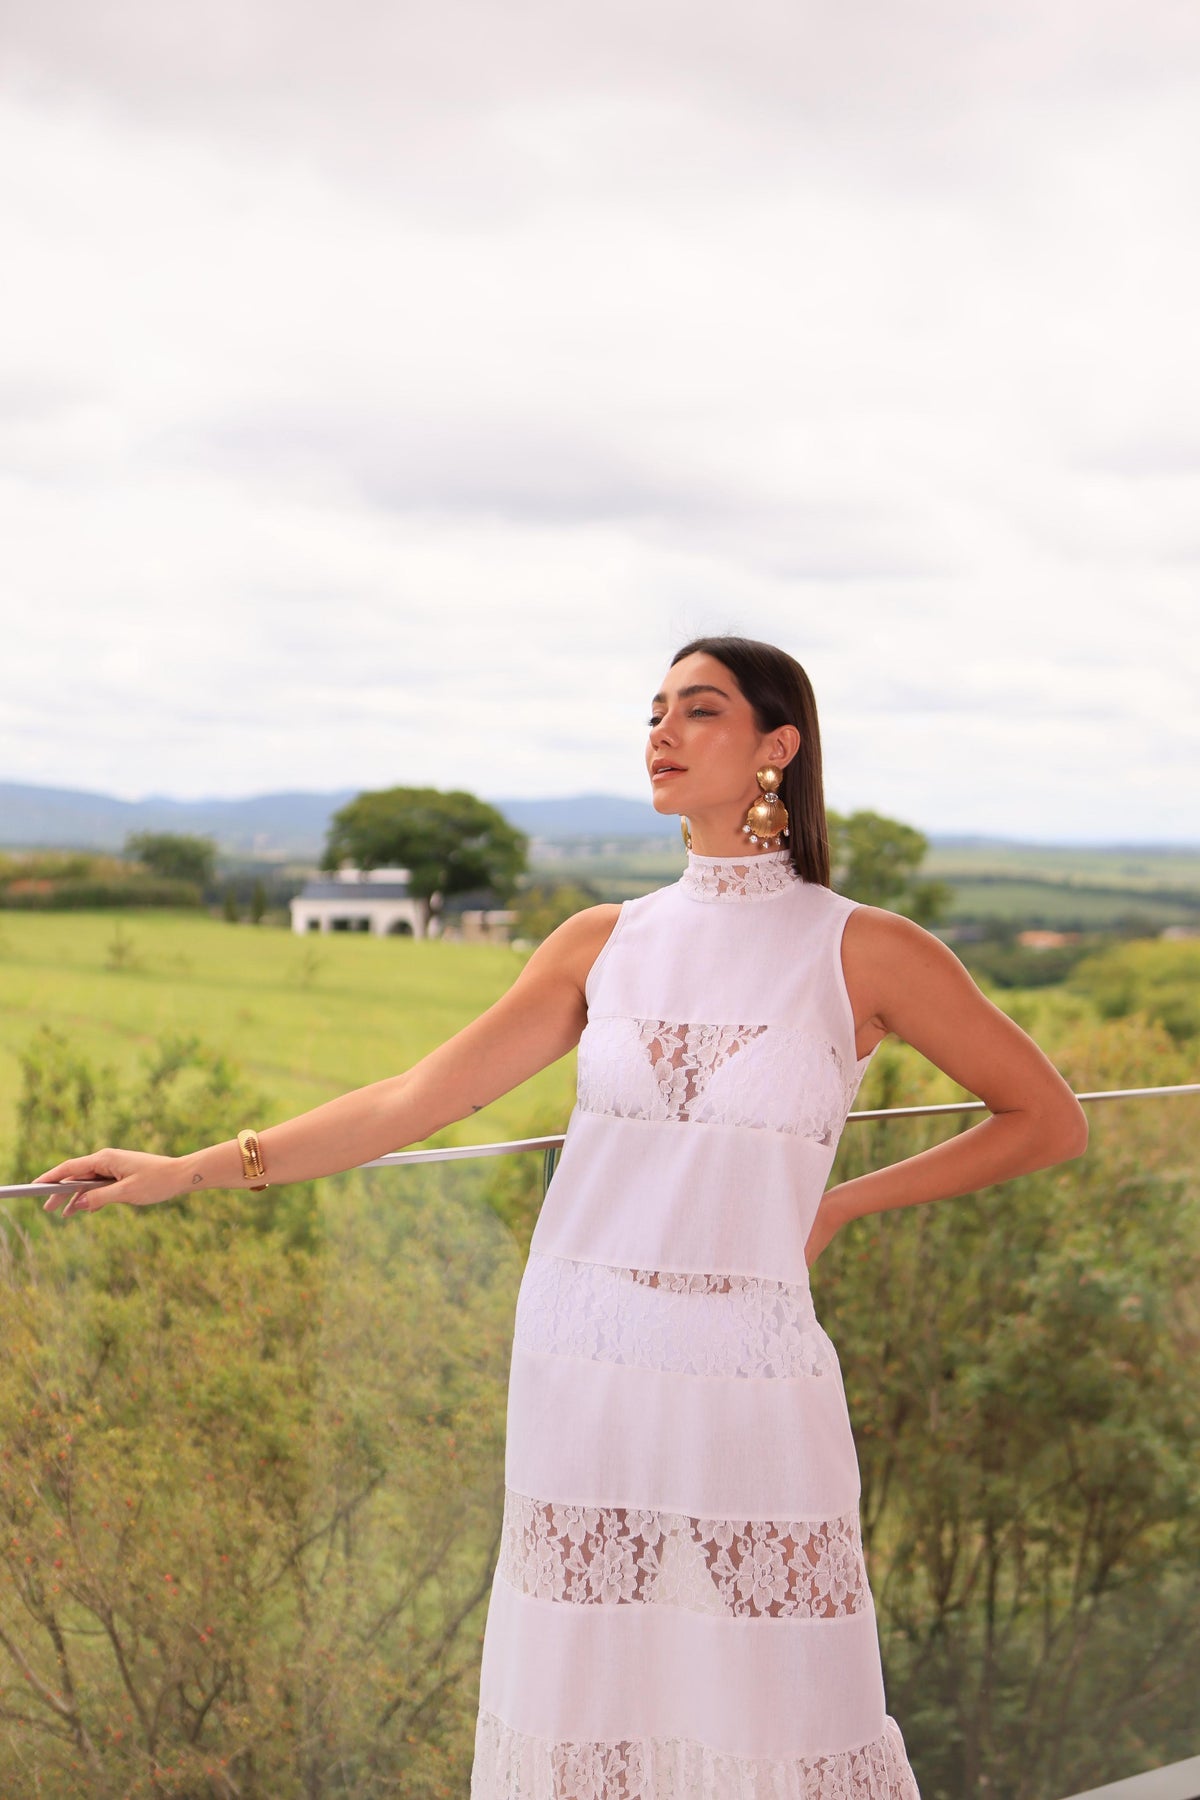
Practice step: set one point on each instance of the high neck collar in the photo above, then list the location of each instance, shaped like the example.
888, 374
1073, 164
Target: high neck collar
749, 877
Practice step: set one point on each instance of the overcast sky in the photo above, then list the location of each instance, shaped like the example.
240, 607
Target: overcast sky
386, 391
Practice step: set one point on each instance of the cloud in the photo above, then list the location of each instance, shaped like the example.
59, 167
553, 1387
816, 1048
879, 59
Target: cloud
386, 396
872, 75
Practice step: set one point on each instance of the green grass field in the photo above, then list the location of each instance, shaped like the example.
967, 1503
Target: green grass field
1022, 884
305, 1018
1154, 870
1078, 906
1084, 888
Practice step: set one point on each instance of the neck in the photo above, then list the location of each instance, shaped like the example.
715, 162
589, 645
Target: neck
725, 838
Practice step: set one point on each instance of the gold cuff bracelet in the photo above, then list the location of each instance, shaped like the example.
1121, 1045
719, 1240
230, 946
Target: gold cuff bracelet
252, 1159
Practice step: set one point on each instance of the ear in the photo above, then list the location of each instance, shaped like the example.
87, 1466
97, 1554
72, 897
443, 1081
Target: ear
783, 744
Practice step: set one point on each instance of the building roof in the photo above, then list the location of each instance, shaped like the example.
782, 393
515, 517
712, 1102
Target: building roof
355, 893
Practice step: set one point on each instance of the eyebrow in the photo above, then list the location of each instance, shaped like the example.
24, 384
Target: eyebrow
686, 693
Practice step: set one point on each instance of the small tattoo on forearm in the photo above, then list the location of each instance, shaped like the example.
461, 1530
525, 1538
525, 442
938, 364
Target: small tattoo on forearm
196, 1180
475, 1108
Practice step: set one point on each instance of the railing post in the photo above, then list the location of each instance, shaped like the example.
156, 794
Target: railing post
549, 1164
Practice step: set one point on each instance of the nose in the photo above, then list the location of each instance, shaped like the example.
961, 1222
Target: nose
663, 731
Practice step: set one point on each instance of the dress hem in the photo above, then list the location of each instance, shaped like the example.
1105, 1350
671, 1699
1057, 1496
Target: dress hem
515, 1765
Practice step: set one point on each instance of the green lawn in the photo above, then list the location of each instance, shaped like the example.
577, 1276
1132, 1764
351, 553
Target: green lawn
1154, 869
1075, 905
1021, 884
1063, 886
306, 1018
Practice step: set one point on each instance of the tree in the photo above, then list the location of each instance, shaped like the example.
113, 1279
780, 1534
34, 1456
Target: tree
875, 859
174, 855
251, 1466
1020, 1369
543, 906
54, 880
450, 843
1158, 980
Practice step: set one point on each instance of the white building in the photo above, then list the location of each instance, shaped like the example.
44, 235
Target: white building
374, 900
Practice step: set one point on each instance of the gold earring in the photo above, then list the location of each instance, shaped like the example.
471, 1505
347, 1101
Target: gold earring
767, 820
685, 832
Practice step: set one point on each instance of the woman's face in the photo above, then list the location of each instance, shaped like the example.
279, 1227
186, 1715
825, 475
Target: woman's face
704, 744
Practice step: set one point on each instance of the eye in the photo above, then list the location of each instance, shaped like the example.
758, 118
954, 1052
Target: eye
695, 712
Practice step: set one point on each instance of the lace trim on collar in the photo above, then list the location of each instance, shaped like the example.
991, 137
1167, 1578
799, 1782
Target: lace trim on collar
737, 877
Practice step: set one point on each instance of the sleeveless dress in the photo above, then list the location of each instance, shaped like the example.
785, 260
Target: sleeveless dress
680, 1609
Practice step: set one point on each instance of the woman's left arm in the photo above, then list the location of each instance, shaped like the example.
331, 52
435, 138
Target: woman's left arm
902, 980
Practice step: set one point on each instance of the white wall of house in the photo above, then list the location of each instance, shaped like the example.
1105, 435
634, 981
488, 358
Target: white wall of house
371, 900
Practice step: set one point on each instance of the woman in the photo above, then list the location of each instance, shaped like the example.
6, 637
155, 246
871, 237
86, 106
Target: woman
680, 1609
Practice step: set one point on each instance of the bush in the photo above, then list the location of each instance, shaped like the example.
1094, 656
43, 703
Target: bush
230, 1558
543, 906
1019, 1366
79, 882
174, 855
1157, 980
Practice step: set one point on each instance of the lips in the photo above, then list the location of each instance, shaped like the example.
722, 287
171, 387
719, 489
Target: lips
662, 768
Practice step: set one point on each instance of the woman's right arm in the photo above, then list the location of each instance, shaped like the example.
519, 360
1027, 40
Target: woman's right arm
538, 1020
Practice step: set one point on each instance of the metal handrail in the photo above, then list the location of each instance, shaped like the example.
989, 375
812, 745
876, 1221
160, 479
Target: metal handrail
460, 1151
550, 1146
1174, 1781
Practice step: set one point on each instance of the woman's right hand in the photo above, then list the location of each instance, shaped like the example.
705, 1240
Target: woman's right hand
135, 1179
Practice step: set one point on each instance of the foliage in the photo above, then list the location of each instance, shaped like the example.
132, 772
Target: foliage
875, 860
122, 953
543, 906
516, 1185
1076, 888
175, 855
230, 1563
1019, 1367
1157, 979
1012, 965
451, 843
76, 881
250, 889
185, 1095
1019, 1370
1064, 905
308, 1017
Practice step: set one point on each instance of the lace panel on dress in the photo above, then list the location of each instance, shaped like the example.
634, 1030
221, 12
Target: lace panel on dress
684, 1324
738, 877
741, 1568
511, 1765
765, 1077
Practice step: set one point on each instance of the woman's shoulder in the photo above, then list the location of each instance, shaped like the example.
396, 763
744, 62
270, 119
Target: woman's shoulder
579, 941
883, 950
874, 928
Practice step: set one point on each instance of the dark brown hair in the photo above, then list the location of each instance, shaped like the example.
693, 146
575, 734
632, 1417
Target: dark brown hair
780, 693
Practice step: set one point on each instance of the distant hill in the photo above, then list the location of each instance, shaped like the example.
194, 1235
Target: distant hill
279, 827
267, 825
275, 826
588, 815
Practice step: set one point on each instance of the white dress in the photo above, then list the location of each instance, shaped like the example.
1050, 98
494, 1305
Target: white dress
680, 1609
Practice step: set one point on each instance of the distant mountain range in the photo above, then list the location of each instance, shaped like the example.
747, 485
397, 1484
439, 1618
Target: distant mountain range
292, 826
276, 826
